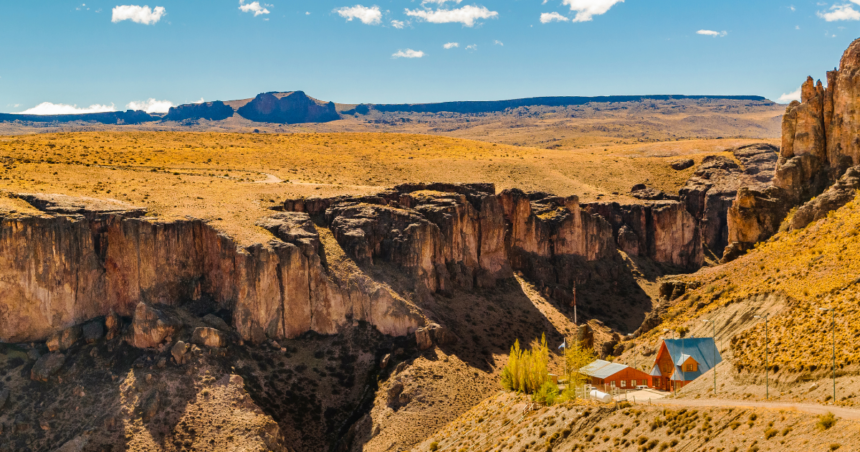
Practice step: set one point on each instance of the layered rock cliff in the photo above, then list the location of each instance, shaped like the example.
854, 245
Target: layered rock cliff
83, 258
663, 231
288, 108
86, 258
709, 193
819, 143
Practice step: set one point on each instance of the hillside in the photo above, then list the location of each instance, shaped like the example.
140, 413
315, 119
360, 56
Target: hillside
507, 422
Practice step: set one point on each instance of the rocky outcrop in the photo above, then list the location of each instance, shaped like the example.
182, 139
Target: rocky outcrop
819, 143
288, 108
839, 194
755, 215
89, 258
709, 193
550, 238
213, 111
661, 230
209, 337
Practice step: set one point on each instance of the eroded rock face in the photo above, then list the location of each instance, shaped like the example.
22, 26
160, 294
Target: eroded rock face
755, 215
709, 193
819, 143
839, 194
91, 258
664, 231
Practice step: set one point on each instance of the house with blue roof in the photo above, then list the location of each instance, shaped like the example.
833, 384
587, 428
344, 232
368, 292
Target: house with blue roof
680, 361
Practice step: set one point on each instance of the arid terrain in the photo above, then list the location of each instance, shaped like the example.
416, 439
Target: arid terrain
357, 284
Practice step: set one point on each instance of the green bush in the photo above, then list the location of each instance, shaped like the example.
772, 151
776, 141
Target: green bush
770, 433
547, 393
434, 446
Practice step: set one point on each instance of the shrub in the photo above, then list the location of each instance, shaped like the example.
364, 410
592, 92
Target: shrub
434, 446
825, 421
526, 370
547, 393
753, 417
786, 431
770, 433
834, 446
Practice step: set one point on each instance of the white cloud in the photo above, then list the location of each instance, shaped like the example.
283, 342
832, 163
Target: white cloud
786, 98
48, 108
152, 106
466, 15
472, 47
369, 16
792, 8
398, 24
586, 9
715, 34
451, 45
408, 53
440, 2
840, 12
138, 14
499, 43
253, 7
546, 18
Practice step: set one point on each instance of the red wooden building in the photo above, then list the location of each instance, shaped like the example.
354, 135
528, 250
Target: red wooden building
680, 361
606, 376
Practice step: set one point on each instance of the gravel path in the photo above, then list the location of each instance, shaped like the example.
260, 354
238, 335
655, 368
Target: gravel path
846, 413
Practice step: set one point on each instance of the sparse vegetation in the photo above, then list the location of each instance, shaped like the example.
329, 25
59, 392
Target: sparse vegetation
826, 421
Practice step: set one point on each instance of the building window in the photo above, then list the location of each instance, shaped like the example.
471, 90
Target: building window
623, 383
612, 384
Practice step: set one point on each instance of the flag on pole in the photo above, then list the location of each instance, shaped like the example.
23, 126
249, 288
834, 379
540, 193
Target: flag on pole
563, 344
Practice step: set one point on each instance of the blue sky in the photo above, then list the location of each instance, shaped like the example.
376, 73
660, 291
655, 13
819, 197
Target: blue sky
114, 53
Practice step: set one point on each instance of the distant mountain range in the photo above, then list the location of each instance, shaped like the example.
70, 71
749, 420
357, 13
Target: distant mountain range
296, 107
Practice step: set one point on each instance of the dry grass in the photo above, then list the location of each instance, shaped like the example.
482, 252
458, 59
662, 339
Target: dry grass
233, 179
816, 267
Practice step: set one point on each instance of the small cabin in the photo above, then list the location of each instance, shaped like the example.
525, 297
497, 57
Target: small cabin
680, 361
607, 377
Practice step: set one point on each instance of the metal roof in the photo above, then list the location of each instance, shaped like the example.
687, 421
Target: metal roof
602, 369
681, 359
655, 372
701, 349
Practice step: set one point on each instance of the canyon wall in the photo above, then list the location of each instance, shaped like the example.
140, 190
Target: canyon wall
83, 258
819, 143
63, 268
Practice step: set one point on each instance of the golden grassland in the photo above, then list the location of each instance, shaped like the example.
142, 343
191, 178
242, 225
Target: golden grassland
815, 268
234, 179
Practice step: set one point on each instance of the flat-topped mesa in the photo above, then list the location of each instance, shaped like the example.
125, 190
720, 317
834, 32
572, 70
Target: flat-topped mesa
819, 143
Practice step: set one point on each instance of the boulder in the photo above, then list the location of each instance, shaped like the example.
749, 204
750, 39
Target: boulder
179, 352
423, 338
150, 327
93, 331
62, 340
755, 216
642, 191
47, 366
209, 337
394, 391
682, 164
216, 322
385, 360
